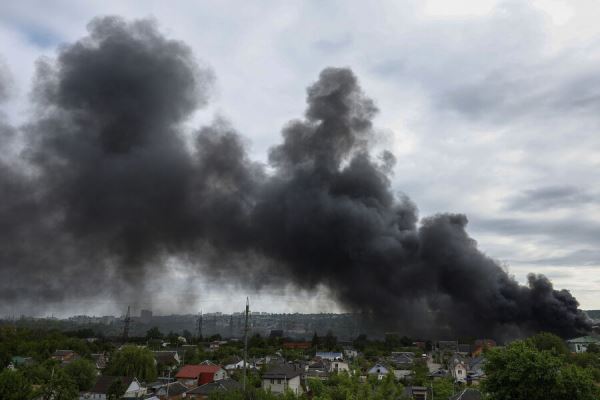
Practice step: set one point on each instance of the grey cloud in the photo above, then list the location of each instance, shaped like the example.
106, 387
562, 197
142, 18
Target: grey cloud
5, 81
334, 45
117, 193
551, 197
577, 258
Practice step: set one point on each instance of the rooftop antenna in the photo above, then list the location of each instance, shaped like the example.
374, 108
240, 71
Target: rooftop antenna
245, 344
126, 327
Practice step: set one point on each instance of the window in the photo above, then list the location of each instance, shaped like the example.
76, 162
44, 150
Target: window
279, 381
272, 381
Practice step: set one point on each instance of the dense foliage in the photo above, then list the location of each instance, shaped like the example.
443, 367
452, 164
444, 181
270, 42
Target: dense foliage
133, 361
523, 371
540, 367
14, 386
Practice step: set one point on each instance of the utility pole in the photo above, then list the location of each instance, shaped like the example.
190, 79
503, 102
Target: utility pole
168, 382
245, 344
126, 327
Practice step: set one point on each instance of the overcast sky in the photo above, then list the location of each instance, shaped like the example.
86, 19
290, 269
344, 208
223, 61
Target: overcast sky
491, 107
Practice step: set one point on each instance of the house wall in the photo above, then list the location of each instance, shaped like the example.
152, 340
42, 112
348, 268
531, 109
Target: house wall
92, 396
220, 374
338, 366
580, 347
279, 385
188, 382
380, 371
460, 373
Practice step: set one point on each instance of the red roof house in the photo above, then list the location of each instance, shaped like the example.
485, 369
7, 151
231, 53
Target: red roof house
200, 374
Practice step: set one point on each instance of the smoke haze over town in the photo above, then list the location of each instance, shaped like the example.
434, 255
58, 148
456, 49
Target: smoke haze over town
139, 167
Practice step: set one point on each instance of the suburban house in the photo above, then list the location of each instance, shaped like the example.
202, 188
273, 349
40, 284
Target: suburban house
206, 372
338, 366
202, 392
439, 374
402, 374
317, 369
19, 361
580, 344
282, 378
172, 391
166, 358
103, 384
238, 365
99, 360
379, 370
402, 360
467, 394
458, 368
476, 371
417, 393
350, 352
329, 355
64, 356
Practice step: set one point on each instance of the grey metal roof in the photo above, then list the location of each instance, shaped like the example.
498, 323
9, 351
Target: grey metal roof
467, 394
223, 384
282, 372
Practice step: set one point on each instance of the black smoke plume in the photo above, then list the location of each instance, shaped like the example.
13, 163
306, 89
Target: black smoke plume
108, 187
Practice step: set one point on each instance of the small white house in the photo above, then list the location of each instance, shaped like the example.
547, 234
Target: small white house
238, 365
401, 374
458, 369
338, 366
100, 389
580, 344
281, 378
379, 370
329, 355
350, 353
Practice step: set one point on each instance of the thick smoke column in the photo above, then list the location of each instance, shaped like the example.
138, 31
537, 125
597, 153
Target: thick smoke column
112, 189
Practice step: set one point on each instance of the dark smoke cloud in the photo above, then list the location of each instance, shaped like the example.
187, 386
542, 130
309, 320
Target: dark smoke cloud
113, 190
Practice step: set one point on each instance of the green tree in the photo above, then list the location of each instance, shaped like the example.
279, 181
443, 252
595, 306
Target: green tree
59, 387
442, 389
154, 333
116, 389
361, 342
14, 386
420, 372
83, 373
330, 341
550, 342
133, 361
576, 383
317, 387
387, 389
593, 348
316, 341
587, 361
523, 372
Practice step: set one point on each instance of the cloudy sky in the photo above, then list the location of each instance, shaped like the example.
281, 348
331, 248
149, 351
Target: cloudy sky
491, 107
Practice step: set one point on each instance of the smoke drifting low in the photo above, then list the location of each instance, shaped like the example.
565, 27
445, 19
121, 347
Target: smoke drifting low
108, 189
